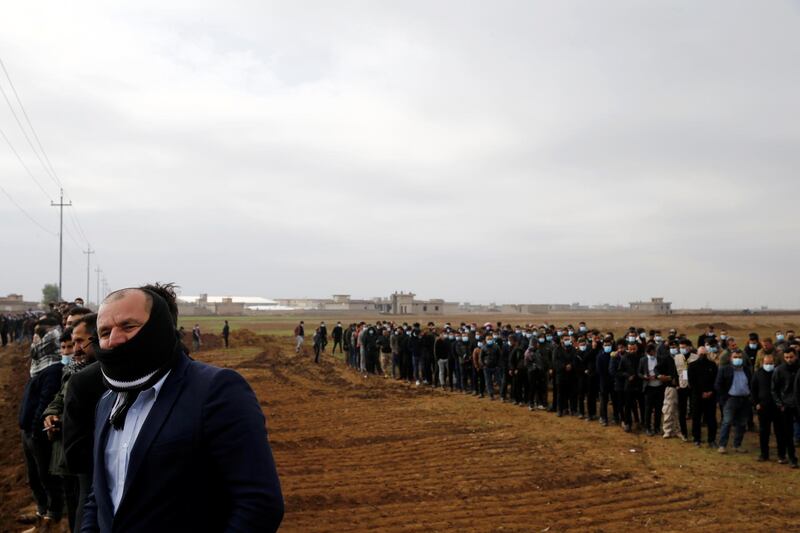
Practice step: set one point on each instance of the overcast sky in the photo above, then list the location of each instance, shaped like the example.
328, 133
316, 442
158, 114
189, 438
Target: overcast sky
475, 151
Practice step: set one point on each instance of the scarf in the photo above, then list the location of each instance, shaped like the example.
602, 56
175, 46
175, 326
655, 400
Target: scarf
45, 352
142, 361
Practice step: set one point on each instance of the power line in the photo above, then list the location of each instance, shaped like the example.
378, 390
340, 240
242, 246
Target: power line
28, 215
27, 137
27, 170
30, 125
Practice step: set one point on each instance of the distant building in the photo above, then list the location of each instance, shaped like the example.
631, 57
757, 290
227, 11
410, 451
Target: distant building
226, 305
656, 306
14, 303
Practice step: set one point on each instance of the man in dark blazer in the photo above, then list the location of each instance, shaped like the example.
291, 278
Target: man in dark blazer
179, 445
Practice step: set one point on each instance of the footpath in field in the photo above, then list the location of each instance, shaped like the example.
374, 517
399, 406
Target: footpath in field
356, 454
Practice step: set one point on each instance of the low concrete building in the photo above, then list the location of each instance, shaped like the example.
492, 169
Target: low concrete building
15, 303
656, 306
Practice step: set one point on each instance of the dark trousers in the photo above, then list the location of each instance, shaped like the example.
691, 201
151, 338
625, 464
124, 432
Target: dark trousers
769, 418
519, 387
225, 339
789, 417
336, 342
537, 387
683, 405
47, 489
607, 396
566, 399
653, 402
554, 404
317, 348
588, 395
505, 382
618, 402
71, 496
704, 410
478, 381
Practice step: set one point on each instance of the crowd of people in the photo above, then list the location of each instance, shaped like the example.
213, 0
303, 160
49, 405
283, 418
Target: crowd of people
642, 381
105, 375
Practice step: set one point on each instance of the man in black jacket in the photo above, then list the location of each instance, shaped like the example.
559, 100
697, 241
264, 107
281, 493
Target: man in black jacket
768, 416
490, 359
702, 377
784, 392
336, 333
564, 363
733, 386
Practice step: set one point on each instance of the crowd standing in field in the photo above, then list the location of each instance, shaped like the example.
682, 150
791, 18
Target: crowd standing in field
643, 381
120, 427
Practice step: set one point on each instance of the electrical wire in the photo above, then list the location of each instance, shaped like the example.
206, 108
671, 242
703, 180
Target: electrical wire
28, 215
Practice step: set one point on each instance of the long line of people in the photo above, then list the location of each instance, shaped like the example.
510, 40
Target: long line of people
641, 381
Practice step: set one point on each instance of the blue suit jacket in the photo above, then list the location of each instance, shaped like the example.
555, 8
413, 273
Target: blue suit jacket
201, 462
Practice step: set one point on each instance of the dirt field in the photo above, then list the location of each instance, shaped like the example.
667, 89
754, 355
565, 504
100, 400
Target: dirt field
370, 454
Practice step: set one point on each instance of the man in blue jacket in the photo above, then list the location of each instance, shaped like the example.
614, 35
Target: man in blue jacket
41, 388
179, 445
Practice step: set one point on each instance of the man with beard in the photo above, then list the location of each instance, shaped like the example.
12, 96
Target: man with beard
179, 445
784, 393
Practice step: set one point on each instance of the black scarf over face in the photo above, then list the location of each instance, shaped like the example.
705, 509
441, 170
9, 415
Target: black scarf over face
142, 361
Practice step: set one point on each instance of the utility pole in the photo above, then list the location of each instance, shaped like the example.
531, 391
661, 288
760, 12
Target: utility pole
61, 205
105, 286
97, 271
88, 253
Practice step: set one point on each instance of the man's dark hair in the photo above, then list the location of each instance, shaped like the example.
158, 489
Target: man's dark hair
48, 321
166, 291
79, 311
90, 323
66, 336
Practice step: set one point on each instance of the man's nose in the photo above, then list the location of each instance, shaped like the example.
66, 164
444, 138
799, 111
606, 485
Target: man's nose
116, 338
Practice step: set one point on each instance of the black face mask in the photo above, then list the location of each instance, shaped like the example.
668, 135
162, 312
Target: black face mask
142, 361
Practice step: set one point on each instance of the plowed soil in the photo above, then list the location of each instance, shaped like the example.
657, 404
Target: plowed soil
360, 454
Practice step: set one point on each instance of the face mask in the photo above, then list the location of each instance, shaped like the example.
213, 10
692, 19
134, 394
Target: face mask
549, 338
480, 345
769, 368
582, 347
65, 360
508, 343
738, 361
607, 349
673, 351
684, 351
489, 342
643, 335
779, 337
464, 339
541, 339
517, 331
567, 343
451, 337
571, 332
559, 333
752, 346
723, 337
658, 338
582, 329
631, 339
712, 349
478, 337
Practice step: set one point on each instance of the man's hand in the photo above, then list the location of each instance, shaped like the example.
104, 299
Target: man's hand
52, 425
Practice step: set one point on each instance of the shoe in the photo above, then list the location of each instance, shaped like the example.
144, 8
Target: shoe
782, 461
698, 444
542, 408
417, 383
650, 433
626, 428
666, 436
712, 444
560, 414
794, 465
684, 438
722, 449
740, 450
761, 459
604, 423
530, 408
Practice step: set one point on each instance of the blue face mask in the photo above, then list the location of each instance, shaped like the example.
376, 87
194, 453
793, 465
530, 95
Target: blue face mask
567, 343
480, 345
683, 351
607, 349
464, 339
541, 339
738, 361
712, 349
673, 351
582, 348
66, 359
549, 338
489, 343
779, 337
769, 368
